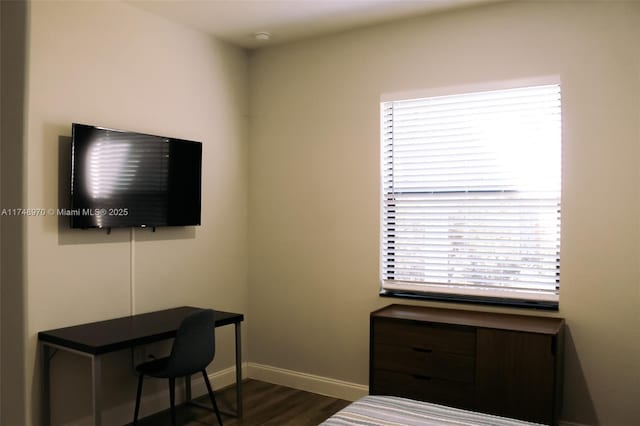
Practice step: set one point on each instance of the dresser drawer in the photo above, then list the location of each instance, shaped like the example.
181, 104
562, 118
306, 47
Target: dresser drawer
504, 364
412, 360
425, 337
423, 388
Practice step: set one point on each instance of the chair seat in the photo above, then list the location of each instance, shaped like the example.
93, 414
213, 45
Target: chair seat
156, 368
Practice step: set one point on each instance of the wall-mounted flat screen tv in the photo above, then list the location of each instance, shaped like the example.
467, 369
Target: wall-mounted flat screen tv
127, 179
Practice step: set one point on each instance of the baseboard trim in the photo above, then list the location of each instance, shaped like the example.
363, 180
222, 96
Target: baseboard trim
159, 401
307, 382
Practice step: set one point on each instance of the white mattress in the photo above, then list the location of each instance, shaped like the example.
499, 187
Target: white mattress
374, 410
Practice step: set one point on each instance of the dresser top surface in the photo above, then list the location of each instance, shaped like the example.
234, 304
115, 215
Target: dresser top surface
523, 323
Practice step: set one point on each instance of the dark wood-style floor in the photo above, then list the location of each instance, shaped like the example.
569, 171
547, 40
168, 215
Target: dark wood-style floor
265, 404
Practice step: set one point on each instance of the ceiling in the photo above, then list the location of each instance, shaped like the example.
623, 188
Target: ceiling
238, 20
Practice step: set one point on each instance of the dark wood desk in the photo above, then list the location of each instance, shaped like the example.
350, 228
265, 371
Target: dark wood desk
98, 338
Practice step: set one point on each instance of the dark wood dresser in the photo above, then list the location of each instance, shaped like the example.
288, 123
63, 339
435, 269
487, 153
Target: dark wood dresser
508, 365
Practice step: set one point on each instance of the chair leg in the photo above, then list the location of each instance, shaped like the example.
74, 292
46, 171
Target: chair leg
172, 399
138, 395
212, 396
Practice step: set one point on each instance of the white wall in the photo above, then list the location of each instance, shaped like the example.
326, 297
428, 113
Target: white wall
111, 64
313, 177
314, 173
12, 110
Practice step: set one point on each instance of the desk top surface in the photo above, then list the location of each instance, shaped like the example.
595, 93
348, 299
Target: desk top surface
115, 334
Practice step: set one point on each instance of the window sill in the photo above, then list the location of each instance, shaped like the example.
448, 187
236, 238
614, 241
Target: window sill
475, 300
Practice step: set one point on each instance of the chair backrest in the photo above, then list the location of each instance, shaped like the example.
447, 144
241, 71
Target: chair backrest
194, 346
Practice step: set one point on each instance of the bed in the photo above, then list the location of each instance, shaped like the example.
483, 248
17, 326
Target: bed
376, 410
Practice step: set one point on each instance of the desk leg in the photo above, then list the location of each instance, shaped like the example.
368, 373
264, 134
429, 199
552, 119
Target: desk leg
96, 376
238, 371
46, 385
187, 387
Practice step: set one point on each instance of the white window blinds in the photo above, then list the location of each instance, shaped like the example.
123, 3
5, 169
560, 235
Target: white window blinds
471, 195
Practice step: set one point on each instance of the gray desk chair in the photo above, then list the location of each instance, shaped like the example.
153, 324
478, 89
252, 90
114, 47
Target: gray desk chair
193, 349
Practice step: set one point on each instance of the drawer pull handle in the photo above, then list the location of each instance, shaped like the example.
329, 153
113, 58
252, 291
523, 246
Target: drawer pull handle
420, 377
426, 351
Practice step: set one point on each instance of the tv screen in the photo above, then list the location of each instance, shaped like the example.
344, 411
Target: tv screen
127, 179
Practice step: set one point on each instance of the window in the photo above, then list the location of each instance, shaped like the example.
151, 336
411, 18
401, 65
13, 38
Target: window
471, 196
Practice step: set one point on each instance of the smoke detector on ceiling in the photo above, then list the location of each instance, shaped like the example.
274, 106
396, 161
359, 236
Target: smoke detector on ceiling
262, 36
